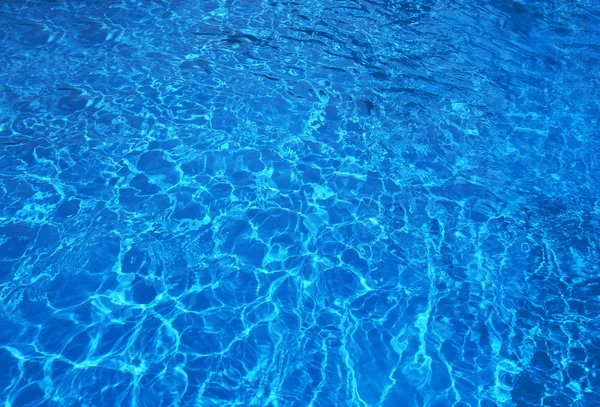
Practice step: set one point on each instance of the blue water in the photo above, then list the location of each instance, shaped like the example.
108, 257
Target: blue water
300, 203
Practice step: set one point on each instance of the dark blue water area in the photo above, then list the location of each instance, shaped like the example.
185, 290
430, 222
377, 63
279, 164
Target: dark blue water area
300, 203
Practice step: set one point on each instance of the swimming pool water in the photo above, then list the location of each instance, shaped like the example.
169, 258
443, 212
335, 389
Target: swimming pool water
300, 203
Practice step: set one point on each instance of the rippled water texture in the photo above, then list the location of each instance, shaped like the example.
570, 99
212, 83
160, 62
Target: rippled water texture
302, 203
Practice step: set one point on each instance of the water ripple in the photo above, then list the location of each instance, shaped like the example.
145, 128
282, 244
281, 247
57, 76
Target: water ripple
279, 203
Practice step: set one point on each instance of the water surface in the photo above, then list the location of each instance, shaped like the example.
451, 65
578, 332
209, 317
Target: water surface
300, 203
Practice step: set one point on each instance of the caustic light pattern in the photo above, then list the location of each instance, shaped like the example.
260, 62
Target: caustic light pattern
300, 203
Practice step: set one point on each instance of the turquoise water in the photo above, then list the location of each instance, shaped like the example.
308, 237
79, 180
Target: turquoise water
319, 203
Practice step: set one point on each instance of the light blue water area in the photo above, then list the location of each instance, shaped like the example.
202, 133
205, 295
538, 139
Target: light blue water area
300, 203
